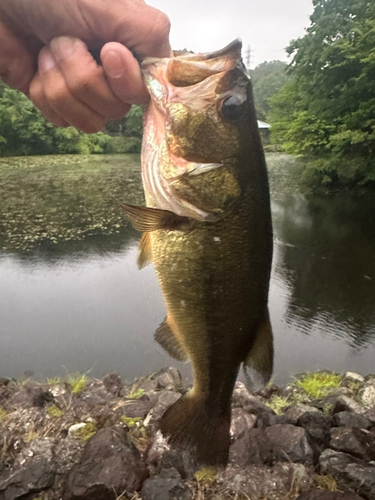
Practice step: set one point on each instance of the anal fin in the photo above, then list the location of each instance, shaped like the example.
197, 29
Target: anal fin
258, 364
167, 339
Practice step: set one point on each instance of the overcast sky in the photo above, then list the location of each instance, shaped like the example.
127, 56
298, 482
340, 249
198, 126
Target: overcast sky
266, 25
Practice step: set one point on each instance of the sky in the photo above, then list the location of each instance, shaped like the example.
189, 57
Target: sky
266, 25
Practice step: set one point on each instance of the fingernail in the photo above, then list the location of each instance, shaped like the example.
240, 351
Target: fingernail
46, 60
64, 46
113, 64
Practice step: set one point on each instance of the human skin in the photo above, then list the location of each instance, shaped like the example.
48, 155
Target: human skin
45, 52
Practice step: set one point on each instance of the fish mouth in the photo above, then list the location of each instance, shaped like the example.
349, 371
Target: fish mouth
184, 89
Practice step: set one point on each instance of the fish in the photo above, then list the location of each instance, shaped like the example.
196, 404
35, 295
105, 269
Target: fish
207, 229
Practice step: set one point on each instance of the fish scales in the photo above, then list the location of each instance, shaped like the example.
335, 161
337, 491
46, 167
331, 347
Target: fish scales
208, 233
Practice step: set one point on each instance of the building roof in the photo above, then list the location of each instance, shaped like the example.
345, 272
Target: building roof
263, 124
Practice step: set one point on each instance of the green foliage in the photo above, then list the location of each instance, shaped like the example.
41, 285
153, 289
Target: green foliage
131, 422
319, 384
268, 78
86, 432
278, 403
328, 110
24, 131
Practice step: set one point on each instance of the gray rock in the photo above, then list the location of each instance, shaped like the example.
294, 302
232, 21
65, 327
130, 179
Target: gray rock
353, 377
137, 408
328, 495
368, 396
266, 418
348, 419
241, 422
282, 482
30, 395
166, 399
110, 465
66, 453
349, 472
276, 443
169, 378
244, 399
295, 411
343, 403
357, 442
291, 441
167, 485
36, 474
113, 384
317, 426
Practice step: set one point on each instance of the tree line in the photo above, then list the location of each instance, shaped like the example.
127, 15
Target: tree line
320, 106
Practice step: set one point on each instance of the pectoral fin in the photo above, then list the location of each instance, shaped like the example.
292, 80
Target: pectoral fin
167, 339
258, 364
144, 256
151, 219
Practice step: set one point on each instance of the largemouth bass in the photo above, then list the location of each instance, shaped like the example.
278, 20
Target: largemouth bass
207, 229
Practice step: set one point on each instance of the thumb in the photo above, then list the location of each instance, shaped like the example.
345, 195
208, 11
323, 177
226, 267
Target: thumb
17, 65
123, 74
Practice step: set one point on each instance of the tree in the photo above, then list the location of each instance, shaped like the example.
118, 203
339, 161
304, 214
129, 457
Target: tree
328, 111
268, 78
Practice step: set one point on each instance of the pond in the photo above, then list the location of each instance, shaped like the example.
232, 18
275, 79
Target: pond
72, 298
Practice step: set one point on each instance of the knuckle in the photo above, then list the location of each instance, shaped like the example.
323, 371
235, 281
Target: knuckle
82, 84
57, 97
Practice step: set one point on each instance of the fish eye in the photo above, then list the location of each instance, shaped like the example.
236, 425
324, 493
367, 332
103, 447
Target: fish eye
232, 107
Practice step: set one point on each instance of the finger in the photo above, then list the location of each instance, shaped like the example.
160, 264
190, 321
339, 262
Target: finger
17, 66
61, 100
123, 74
38, 97
85, 78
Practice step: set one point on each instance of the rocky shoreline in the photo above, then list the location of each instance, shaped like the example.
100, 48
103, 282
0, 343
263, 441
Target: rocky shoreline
81, 439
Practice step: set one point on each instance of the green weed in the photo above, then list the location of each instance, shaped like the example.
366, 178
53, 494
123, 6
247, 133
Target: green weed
319, 384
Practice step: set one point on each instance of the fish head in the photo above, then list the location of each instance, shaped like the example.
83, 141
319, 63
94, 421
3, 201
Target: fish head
199, 127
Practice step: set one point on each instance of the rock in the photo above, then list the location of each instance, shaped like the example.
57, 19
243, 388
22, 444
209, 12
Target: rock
166, 399
110, 465
36, 474
296, 411
29, 396
357, 442
270, 390
167, 485
241, 422
348, 419
349, 472
282, 482
343, 403
137, 408
368, 396
328, 495
66, 453
39, 448
169, 378
113, 384
291, 441
317, 426
266, 418
353, 377
272, 444
244, 399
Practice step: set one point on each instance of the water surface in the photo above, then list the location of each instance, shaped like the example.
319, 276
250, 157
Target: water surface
84, 305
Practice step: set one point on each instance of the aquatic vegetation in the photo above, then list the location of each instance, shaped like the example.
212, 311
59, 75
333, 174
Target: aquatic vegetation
319, 384
278, 403
77, 382
51, 199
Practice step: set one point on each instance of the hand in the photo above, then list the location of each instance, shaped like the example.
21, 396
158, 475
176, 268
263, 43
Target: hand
44, 52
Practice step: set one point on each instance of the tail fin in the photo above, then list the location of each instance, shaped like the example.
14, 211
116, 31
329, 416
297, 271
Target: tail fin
188, 424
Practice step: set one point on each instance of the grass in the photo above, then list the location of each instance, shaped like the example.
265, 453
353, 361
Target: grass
131, 422
77, 382
55, 412
86, 432
278, 403
136, 394
319, 384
